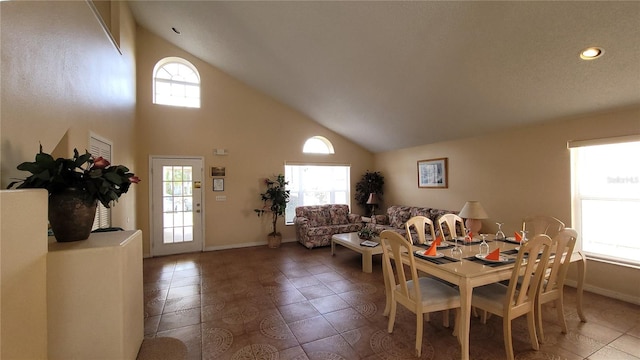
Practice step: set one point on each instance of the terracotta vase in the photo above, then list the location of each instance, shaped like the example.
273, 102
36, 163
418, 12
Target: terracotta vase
273, 241
71, 215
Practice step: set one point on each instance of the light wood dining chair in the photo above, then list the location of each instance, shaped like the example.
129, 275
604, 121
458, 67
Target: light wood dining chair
420, 224
420, 295
451, 221
552, 286
517, 299
542, 224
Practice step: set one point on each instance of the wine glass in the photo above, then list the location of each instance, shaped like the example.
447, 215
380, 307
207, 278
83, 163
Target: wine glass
456, 251
484, 247
524, 237
500, 234
467, 235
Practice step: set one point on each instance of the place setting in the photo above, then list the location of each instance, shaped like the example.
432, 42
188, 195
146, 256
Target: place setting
433, 255
493, 258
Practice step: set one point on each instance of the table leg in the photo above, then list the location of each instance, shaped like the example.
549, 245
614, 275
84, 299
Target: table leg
582, 271
367, 262
465, 319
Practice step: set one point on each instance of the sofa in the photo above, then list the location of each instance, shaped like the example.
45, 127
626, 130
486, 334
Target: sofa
397, 215
316, 224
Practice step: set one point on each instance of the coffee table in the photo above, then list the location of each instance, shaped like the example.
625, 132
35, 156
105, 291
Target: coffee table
352, 241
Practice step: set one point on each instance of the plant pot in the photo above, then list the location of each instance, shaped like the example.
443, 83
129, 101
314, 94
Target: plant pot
71, 215
273, 241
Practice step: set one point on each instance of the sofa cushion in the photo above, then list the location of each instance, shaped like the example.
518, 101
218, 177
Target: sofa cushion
339, 214
421, 211
398, 215
319, 216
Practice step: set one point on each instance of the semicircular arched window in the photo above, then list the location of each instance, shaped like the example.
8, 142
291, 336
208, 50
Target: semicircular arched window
318, 145
176, 82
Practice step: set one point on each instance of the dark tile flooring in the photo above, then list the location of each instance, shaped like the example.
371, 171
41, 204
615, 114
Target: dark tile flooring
295, 303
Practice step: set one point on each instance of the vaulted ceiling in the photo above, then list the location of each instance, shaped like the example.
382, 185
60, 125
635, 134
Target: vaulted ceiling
395, 74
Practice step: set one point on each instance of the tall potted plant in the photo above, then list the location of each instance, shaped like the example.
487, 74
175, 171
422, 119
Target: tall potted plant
370, 183
274, 201
75, 186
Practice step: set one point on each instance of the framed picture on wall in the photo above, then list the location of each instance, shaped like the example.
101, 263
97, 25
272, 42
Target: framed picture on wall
433, 173
218, 184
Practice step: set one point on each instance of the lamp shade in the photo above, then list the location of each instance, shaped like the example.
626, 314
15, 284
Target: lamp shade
473, 210
373, 199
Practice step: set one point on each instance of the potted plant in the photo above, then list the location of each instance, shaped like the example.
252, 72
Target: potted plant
274, 200
75, 185
370, 183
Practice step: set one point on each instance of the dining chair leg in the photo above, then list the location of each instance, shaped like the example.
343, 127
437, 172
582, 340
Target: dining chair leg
560, 312
508, 344
419, 328
538, 316
531, 323
484, 316
445, 318
392, 317
456, 325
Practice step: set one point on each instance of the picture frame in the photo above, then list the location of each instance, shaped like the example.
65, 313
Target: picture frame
218, 184
218, 171
433, 173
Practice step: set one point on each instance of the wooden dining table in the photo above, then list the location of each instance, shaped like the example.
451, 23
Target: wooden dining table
468, 274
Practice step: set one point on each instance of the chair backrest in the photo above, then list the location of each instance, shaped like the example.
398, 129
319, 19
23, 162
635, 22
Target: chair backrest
393, 246
542, 224
521, 294
451, 221
420, 224
563, 244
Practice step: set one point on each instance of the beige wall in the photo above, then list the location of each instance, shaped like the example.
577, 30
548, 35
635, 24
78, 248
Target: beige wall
61, 79
259, 133
514, 173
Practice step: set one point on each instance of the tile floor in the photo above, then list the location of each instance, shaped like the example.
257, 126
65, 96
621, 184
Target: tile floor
295, 303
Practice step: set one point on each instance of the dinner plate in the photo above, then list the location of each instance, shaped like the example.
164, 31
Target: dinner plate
512, 239
422, 253
502, 258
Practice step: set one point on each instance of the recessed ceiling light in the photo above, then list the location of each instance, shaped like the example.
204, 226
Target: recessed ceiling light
591, 53
175, 30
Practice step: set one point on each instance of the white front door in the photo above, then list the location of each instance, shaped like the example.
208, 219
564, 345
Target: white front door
176, 205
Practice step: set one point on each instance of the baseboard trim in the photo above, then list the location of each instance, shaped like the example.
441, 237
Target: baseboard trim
605, 292
242, 245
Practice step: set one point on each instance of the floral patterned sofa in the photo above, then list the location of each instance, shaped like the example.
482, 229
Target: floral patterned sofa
316, 224
397, 216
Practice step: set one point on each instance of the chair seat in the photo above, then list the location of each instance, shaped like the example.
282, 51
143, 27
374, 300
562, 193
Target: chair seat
435, 293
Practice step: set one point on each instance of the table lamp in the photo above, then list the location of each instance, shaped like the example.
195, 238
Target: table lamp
373, 201
473, 211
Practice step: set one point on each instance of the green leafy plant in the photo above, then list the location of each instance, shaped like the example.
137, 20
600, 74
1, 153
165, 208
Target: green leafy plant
371, 182
367, 233
274, 200
95, 177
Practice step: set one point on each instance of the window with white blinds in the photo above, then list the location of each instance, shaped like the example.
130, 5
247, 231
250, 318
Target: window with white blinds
606, 197
101, 147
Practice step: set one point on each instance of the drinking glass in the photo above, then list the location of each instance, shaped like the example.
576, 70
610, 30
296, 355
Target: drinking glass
484, 247
467, 235
456, 251
500, 235
524, 237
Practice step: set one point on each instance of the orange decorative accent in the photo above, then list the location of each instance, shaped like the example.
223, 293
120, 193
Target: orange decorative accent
432, 251
438, 240
518, 236
494, 255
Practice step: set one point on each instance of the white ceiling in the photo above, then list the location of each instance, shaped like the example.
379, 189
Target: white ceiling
393, 74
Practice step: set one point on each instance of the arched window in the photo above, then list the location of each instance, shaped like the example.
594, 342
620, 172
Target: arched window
176, 82
318, 145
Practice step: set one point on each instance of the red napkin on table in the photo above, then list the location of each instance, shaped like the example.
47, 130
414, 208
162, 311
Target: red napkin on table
518, 236
432, 250
438, 240
494, 255
470, 238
